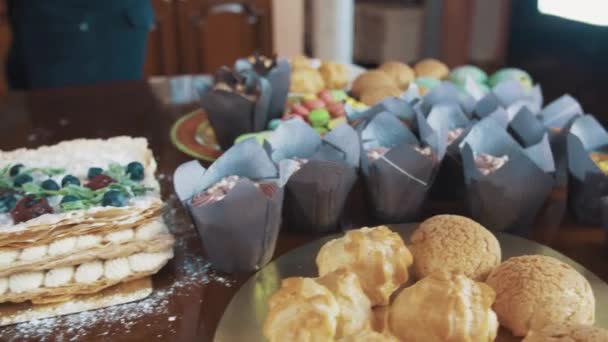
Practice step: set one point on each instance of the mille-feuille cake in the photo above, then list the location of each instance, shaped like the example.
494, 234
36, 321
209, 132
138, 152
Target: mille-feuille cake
79, 217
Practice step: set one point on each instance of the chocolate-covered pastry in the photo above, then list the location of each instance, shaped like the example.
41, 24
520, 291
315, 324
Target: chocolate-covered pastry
238, 103
278, 74
487, 163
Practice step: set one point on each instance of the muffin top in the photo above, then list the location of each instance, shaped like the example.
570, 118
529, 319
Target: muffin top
456, 244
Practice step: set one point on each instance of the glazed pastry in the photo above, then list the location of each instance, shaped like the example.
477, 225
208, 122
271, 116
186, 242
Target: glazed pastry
456, 244
568, 333
372, 96
334, 74
369, 336
301, 310
535, 290
401, 73
306, 80
379, 320
299, 62
444, 307
355, 307
377, 255
433, 68
371, 80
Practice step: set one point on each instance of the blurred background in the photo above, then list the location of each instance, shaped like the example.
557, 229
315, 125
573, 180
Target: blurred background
561, 43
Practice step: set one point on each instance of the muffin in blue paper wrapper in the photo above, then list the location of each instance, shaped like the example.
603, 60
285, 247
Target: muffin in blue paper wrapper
277, 72
527, 129
557, 117
237, 104
506, 183
450, 179
399, 168
235, 205
588, 166
512, 96
323, 172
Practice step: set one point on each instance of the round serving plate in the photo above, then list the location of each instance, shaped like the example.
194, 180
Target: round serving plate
244, 316
193, 135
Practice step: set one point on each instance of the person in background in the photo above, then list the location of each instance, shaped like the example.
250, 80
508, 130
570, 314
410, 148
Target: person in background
74, 42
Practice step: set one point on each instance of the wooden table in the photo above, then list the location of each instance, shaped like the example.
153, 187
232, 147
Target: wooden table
190, 297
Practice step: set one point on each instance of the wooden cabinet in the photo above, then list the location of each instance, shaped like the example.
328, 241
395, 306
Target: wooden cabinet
5, 42
161, 55
199, 36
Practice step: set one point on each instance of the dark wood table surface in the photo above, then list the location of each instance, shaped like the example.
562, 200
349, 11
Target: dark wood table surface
190, 297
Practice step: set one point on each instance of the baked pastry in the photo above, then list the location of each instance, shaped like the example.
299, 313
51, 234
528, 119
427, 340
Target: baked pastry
456, 244
534, 291
334, 74
377, 255
431, 67
79, 217
306, 81
301, 310
370, 80
369, 336
401, 73
568, 333
355, 307
444, 307
379, 320
299, 62
374, 95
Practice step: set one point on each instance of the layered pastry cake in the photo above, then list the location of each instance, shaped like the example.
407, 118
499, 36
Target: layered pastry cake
79, 217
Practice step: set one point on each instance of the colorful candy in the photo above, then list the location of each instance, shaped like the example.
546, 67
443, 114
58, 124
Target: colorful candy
319, 117
460, 74
510, 74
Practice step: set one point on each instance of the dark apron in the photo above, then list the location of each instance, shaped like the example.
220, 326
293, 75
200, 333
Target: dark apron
73, 42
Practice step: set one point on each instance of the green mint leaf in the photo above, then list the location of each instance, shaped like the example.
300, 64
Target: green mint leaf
49, 171
78, 191
32, 188
4, 170
116, 171
74, 205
